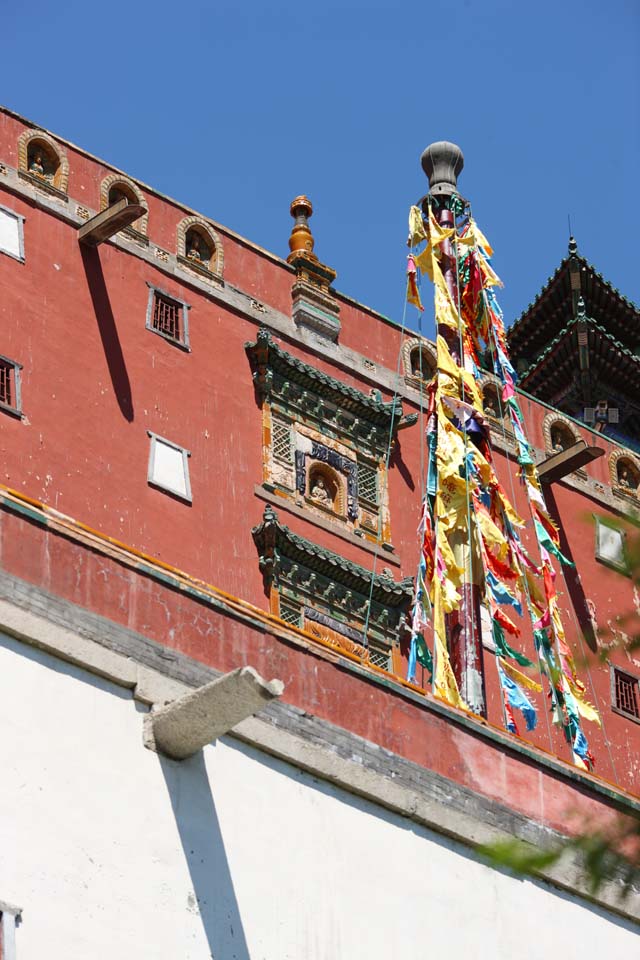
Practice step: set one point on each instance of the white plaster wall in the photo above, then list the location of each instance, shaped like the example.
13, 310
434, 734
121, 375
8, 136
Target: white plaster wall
112, 851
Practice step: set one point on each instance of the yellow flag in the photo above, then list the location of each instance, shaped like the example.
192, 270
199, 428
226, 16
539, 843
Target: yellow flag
438, 234
480, 237
423, 260
519, 677
444, 681
492, 535
417, 231
585, 709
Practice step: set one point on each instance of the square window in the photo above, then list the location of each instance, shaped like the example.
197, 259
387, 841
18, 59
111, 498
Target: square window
10, 393
378, 657
610, 546
12, 233
281, 436
624, 693
168, 317
367, 483
290, 612
169, 467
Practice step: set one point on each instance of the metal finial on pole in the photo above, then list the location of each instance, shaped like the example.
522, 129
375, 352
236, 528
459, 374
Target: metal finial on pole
442, 162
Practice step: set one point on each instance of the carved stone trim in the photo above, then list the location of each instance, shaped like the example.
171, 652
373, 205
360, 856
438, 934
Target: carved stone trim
116, 180
216, 264
408, 348
61, 176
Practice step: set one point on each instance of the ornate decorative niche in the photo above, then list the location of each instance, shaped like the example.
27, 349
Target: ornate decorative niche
328, 596
559, 433
200, 248
324, 443
624, 470
42, 162
419, 362
491, 402
114, 188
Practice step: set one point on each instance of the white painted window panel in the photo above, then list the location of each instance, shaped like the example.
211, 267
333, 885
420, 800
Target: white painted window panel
611, 544
169, 468
10, 227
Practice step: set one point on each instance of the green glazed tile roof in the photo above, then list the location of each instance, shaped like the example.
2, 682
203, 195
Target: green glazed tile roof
266, 351
386, 590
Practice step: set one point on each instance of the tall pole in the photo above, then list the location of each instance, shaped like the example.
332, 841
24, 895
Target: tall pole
442, 162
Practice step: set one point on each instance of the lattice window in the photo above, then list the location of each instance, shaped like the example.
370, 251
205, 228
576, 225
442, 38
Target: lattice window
10, 385
167, 316
281, 441
625, 693
367, 483
379, 658
290, 612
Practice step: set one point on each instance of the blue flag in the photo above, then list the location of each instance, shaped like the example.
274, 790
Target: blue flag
517, 699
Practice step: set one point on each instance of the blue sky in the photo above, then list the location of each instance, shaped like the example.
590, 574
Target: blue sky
234, 108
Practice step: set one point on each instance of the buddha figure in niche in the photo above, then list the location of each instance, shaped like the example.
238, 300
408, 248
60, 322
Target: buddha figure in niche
558, 440
39, 165
320, 491
490, 406
626, 478
196, 250
420, 365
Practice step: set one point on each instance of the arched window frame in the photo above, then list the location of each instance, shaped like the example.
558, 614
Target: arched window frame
408, 349
489, 387
60, 183
335, 479
557, 420
139, 227
216, 263
616, 459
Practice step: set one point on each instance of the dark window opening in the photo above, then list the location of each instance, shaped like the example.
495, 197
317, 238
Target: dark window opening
167, 317
625, 691
10, 398
6, 383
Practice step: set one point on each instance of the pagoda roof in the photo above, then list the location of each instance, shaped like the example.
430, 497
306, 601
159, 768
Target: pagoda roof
558, 364
544, 321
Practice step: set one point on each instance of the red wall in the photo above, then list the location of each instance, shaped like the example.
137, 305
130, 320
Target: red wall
95, 380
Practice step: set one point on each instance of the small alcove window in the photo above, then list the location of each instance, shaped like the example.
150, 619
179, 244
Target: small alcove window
562, 437
12, 233
42, 162
168, 316
325, 488
627, 476
491, 403
169, 467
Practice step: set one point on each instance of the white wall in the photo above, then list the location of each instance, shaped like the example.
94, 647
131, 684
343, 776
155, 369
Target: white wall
113, 852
